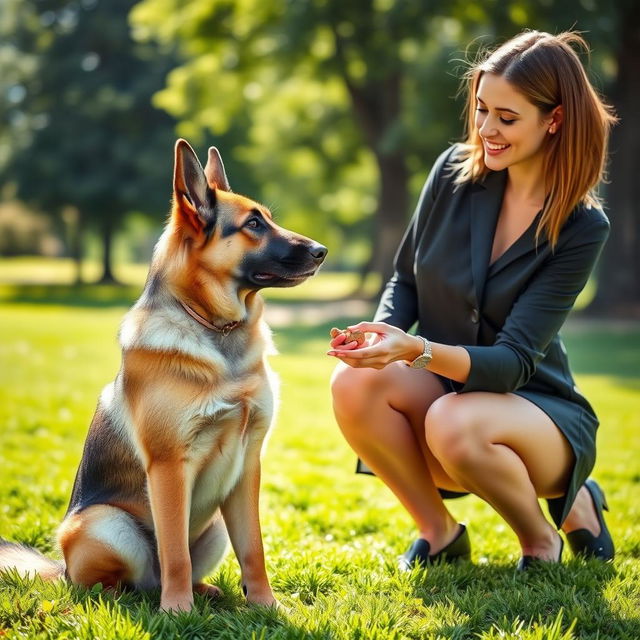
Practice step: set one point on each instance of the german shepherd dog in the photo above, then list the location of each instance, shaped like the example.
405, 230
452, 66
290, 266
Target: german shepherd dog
171, 464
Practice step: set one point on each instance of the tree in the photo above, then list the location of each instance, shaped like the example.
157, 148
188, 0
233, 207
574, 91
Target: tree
86, 134
620, 268
332, 93
358, 94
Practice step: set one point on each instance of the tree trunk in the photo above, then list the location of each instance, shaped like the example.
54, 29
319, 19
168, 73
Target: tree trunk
391, 215
107, 242
77, 260
377, 110
74, 221
390, 219
619, 275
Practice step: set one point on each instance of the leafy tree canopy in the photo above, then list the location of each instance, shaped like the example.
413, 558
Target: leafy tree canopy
323, 94
82, 130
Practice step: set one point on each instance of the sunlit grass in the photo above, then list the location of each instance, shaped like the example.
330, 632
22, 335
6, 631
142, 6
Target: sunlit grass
52, 280
41, 270
331, 537
24, 278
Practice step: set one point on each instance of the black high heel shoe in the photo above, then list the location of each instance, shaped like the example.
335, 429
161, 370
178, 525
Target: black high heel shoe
527, 562
583, 542
418, 554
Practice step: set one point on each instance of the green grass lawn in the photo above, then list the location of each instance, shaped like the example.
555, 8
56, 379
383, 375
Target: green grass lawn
331, 537
47, 281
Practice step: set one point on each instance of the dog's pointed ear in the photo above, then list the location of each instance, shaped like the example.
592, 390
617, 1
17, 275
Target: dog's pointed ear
194, 199
214, 171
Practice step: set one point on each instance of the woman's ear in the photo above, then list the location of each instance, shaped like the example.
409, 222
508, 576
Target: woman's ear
557, 116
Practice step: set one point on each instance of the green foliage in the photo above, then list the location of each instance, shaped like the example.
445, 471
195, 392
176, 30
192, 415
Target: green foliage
330, 112
314, 84
331, 537
81, 131
326, 91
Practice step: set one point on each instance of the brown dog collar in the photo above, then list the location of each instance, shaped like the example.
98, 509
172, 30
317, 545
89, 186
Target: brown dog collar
225, 330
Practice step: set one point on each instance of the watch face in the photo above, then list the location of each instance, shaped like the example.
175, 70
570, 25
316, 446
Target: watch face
420, 362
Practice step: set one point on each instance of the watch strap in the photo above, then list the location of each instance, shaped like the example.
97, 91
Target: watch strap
425, 357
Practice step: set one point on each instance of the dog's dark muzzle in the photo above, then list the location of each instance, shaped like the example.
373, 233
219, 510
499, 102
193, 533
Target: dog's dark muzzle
306, 255
284, 263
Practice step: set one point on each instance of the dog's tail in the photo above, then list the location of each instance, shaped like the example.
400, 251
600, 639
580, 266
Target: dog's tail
28, 561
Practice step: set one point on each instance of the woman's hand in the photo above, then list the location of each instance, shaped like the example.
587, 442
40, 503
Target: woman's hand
384, 344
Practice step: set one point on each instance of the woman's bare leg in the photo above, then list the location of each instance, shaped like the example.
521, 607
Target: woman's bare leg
509, 452
381, 414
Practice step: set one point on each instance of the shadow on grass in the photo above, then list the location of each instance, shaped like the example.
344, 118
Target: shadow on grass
502, 602
298, 339
60, 609
88, 295
461, 602
106, 295
599, 351
592, 350
117, 295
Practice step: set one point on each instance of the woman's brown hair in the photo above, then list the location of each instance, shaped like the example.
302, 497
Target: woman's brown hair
546, 70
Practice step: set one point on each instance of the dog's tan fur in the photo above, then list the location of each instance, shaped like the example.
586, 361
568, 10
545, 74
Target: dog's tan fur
172, 459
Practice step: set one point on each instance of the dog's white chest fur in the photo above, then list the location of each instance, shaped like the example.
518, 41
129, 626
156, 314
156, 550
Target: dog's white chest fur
217, 455
216, 465
217, 427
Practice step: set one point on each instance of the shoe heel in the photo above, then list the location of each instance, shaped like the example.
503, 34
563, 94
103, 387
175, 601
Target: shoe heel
596, 491
583, 542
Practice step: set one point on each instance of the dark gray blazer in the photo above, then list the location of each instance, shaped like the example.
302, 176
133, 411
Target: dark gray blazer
506, 315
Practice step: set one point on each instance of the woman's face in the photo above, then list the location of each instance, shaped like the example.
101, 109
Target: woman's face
512, 129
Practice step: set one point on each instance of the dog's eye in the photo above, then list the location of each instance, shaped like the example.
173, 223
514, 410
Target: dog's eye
252, 223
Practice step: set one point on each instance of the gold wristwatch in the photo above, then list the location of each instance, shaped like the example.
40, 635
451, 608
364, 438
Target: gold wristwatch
424, 358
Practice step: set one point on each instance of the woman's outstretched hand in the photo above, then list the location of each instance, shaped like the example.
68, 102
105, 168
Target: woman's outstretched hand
383, 345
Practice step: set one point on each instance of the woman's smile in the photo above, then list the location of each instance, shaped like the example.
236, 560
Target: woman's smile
494, 149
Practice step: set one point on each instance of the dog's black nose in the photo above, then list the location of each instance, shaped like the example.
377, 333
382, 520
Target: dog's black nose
318, 252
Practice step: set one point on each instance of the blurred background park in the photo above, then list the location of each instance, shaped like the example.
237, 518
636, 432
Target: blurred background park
331, 112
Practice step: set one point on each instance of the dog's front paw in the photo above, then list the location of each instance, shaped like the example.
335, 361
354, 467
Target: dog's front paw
176, 603
264, 598
271, 603
208, 590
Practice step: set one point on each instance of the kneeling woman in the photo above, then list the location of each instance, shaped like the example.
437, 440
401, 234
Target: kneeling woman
504, 238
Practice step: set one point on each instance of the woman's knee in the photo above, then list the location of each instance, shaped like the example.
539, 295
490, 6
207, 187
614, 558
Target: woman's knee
352, 389
451, 430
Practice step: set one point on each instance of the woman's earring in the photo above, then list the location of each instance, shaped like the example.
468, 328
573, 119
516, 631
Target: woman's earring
552, 129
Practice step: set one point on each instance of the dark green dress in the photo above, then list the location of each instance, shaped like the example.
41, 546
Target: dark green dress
506, 315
